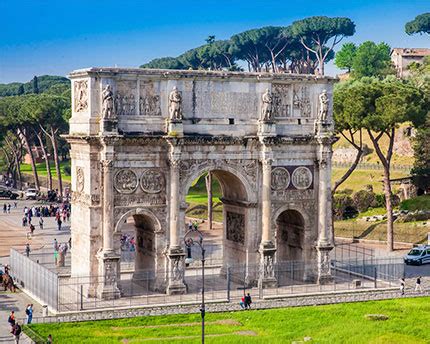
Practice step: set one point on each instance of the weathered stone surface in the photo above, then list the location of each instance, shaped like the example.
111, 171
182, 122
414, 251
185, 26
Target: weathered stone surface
256, 133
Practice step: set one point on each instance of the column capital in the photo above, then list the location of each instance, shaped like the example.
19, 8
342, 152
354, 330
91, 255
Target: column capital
106, 164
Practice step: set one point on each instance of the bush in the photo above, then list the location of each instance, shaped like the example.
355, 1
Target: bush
380, 200
364, 199
343, 206
416, 203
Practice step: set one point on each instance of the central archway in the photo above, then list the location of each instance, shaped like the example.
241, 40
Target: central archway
231, 246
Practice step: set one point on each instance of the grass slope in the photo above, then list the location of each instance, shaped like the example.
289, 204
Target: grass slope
343, 323
42, 172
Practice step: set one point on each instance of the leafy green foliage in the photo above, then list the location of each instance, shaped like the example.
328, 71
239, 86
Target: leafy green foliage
371, 59
164, 63
417, 203
345, 56
421, 24
44, 82
320, 34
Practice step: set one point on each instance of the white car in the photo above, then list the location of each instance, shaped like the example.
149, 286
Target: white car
31, 194
418, 255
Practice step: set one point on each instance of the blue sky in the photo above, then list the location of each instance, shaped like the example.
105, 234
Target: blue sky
55, 37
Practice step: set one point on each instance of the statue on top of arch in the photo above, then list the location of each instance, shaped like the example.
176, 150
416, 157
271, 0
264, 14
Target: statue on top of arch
267, 106
175, 105
108, 103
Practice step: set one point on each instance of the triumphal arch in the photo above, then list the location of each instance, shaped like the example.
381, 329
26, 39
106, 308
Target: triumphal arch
140, 137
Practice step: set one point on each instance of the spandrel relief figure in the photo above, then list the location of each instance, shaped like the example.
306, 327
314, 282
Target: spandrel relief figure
266, 108
323, 111
131, 105
118, 104
141, 106
125, 106
107, 103
175, 105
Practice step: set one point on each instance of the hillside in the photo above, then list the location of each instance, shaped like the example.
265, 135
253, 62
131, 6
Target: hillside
44, 83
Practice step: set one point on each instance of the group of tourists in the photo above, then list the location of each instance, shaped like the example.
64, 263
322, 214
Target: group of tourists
245, 302
15, 327
61, 212
8, 207
418, 286
128, 243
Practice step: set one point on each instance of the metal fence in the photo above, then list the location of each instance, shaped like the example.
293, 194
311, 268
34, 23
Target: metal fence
38, 280
371, 166
147, 288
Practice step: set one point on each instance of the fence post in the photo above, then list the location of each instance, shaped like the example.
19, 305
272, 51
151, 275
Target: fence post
228, 283
375, 276
82, 297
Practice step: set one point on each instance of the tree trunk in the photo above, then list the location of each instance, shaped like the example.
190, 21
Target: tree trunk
389, 206
386, 160
347, 173
57, 161
45, 155
33, 163
208, 180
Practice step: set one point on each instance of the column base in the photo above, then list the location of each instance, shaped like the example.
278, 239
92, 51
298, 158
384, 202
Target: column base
176, 272
108, 268
267, 277
175, 128
324, 268
266, 128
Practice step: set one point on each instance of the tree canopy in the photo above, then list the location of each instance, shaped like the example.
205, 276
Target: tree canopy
345, 56
320, 35
421, 24
270, 48
44, 82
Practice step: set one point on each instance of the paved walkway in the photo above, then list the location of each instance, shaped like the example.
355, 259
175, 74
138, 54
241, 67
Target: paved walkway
15, 302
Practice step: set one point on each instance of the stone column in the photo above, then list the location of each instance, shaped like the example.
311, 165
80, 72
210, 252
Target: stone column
267, 247
108, 259
176, 254
325, 238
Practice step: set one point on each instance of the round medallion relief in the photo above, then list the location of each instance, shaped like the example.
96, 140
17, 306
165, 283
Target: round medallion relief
125, 181
80, 179
302, 178
280, 178
152, 181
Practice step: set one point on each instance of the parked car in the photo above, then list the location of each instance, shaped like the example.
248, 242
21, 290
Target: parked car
31, 194
418, 255
5, 193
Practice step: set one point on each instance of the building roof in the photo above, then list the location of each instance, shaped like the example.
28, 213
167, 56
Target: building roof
411, 51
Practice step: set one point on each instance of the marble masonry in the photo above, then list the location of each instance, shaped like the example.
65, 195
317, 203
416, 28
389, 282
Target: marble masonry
139, 137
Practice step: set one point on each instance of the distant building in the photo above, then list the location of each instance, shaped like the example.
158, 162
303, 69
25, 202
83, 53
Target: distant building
37, 155
403, 57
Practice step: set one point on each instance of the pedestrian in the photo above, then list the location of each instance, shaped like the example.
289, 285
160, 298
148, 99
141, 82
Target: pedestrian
24, 221
418, 285
402, 286
55, 244
248, 301
242, 302
32, 228
29, 313
27, 250
11, 319
59, 224
8, 208
41, 222
70, 243
4, 208
16, 331
49, 340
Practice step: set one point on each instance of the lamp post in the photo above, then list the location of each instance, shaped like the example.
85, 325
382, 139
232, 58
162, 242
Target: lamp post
190, 242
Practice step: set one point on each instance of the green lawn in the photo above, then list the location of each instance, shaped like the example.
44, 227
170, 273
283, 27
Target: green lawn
42, 172
360, 178
343, 323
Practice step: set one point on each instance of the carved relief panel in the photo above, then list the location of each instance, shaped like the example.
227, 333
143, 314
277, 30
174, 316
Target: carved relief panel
291, 178
152, 181
80, 179
235, 227
125, 181
301, 102
281, 100
80, 100
149, 101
